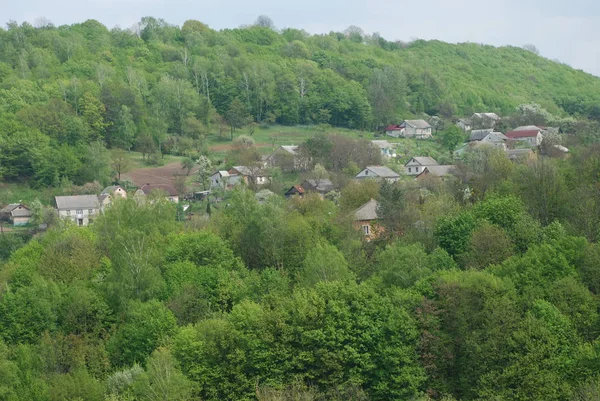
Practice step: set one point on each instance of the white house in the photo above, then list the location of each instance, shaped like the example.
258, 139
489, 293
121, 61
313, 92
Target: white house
416, 129
479, 134
464, 124
386, 148
255, 175
378, 173
393, 130
114, 190
287, 155
81, 209
416, 165
220, 179
531, 137
496, 139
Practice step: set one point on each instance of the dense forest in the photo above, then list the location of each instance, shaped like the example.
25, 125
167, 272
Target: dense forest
484, 285
68, 92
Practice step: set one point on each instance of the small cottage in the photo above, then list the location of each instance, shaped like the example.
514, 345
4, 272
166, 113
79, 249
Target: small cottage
479, 134
16, 213
322, 186
532, 137
365, 220
436, 171
416, 129
378, 173
416, 165
393, 130
114, 190
288, 158
295, 191
249, 174
464, 124
222, 179
168, 190
81, 209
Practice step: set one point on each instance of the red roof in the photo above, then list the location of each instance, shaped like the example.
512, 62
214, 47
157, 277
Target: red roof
393, 127
522, 134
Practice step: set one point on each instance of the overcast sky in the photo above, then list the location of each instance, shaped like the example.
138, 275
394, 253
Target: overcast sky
568, 31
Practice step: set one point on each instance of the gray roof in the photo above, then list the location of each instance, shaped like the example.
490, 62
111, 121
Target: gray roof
528, 128
466, 121
418, 123
323, 186
479, 134
382, 171
424, 161
497, 137
77, 202
440, 171
9, 208
290, 149
368, 211
111, 189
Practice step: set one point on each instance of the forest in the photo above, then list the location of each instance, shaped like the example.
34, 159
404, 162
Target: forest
484, 285
68, 93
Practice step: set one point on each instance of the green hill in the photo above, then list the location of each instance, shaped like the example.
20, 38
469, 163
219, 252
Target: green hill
62, 88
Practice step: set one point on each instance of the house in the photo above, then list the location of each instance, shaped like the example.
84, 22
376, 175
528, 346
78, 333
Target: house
520, 154
114, 190
436, 171
386, 148
378, 173
464, 124
479, 134
171, 193
416, 165
365, 220
249, 174
484, 120
531, 137
222, 179
322, 186
16, 213
416, 129
288, 158
81, 209
496, 139
393, 130
294, 191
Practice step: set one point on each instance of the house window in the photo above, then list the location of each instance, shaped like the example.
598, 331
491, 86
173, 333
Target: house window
410, 170
366, 172
90, 211
366, 229
417, 169
68, 212
79, 211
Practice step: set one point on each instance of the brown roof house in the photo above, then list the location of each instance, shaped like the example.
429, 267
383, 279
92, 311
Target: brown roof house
295, 191
16, 213
533, 137
169, 190
365, 220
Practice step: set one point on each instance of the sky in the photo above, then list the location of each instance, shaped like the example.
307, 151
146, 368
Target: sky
565, 31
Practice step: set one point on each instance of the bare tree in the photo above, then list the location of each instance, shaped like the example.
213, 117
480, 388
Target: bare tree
531, 48
264, 22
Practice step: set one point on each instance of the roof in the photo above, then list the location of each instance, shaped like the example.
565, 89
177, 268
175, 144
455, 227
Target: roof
439, 171
111, 189
293, 150
9, 208
382, 144
393, 127
382, 171
223, 173
495, 137
424, 161
528, 128
169, 189
102, 197
368, 211
247, 171
77, 202
297, 188
492, 116
479, 134
522, 134
416, 123
466, 121
324, 185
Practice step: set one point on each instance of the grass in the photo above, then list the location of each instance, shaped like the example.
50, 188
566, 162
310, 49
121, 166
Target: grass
17, 192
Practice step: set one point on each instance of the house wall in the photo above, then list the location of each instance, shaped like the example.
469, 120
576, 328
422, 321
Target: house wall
413, 168
412, 132
20, 221
395, 133
120, 192
85, 216
366, 173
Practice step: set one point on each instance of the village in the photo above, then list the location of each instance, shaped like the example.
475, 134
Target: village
480, 130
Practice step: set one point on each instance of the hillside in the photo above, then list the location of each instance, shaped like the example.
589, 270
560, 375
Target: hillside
63, 88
